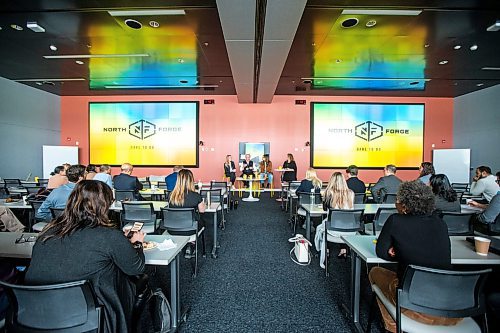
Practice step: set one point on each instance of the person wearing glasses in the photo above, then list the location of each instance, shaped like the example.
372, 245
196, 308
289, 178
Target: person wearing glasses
83, 244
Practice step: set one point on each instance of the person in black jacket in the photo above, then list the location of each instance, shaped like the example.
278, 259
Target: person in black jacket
83, 244
353, 182
414, 236
125, 180
289, 176
230, 169
446, 197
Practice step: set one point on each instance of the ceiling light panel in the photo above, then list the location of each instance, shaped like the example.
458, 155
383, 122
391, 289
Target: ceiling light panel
152, 12
88, 56
380, 12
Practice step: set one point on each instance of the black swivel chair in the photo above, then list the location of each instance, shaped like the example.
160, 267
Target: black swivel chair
36, 224
182, 221
389, 198
359, 198
65, 307
341, 222
43, 182
442, 293
124, 195
226, 193
460, 187
216, 197
379, 220
56, 212
459, 224
305, 198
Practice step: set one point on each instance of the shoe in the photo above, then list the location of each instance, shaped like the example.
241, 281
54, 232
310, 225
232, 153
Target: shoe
342, 254
188, 254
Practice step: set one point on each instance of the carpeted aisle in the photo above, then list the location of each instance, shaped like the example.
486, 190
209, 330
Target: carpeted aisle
253, 286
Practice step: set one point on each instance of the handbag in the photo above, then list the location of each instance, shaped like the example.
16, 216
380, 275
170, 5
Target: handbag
300, 252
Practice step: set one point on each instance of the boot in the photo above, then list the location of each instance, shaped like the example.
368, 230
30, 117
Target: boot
236, 203
231, 205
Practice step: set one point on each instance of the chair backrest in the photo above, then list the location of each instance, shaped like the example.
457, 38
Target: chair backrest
460, 187
389, 198
346, 220
162, 185
11, 182
324, 185
179, 219
294, 185
146, 184
369, 186
33, 189
381, 217
47, 309
458, 223
43, 182
443, 293
214, 194
138, 212
359, 198
56, 212
306, 198
35, 204
222, 185
124, 195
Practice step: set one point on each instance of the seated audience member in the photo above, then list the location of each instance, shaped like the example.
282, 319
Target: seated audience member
498, 178
446, 199
172, 178
491, 211
311, 182
289, 176
126, 182
83, 244
266, 170
185, 196
230, 169
104, 175
59, 196
387, 184
91, 172
247, 168
66, 166
484, 183
337, 196
414, 236
353, 182
426, 171
9, 221
58, 178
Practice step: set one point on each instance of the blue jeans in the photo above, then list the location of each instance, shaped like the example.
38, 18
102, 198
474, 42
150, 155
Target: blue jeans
269, 177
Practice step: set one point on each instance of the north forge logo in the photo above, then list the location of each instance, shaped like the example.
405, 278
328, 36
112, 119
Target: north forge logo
369, 131
142, 129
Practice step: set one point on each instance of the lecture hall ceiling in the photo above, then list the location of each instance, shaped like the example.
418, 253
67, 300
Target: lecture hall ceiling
278, 47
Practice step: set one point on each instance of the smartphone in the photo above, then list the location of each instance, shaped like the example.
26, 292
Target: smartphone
136, 227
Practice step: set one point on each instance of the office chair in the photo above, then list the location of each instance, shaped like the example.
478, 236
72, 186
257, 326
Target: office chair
389, 198
139, 212
379, 220
451, 294
459, 224
341, 222
65, 307
182, 221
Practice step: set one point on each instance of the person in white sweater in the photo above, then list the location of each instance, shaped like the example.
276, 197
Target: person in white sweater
484, 183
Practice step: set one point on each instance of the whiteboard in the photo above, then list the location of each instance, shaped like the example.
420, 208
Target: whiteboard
58, 155
454, 163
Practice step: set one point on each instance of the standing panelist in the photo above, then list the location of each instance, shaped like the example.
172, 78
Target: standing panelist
266, 170
289, 176
230, 169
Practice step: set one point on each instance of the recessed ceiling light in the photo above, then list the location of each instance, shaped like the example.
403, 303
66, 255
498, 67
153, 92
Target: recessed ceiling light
443, 62
338, 61
308, 79
371, 23
147, 12
0, 28
474, 47
133, 24
349, 23
494, 27
51, 79
53, 47
206, 43
154, 24
457, 47
89, 46
180, 61
374, 12
491, 68
480, 84
79, 62
33, 26
313, 44
16, 27
426, 45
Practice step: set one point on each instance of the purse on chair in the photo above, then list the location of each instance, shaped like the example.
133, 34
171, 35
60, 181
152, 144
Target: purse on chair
300, 251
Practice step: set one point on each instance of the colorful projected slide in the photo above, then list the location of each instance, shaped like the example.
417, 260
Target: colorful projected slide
367, 135
148, 134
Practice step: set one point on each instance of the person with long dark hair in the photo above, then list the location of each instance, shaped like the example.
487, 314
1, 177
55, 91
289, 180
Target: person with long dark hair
289, 176
83, 244
426, 172
446, 198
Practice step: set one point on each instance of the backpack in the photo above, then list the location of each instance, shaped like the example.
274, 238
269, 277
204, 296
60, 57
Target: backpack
161, 312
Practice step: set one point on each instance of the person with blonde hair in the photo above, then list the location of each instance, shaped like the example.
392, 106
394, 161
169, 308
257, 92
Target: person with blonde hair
185, 196
337, 196
310, 182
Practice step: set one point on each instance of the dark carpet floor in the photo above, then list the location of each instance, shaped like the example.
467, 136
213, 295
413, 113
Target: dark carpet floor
253, 286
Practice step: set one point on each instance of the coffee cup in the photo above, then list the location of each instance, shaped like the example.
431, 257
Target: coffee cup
482, 245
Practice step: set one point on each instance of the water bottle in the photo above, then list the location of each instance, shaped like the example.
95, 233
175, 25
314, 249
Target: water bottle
200, 185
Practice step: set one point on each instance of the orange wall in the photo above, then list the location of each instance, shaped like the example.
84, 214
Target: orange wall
282, 123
